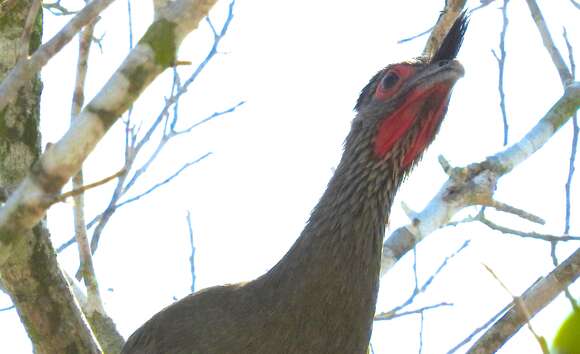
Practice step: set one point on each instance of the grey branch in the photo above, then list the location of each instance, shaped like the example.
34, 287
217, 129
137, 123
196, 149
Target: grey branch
57, 9
192, 257
452, 9
501, 65
389, 316
574, 143
164, 182
396, 311
533, 235
26, 68
557, 58
534, 298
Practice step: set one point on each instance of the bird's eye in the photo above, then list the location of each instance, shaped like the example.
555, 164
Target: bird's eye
389, 80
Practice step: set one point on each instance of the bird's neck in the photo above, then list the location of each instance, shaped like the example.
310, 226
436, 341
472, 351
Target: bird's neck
331, 273
343, 237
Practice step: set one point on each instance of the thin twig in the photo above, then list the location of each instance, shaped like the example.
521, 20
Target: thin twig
77, 191
534, 235
565, 75
57, 9
574, 144
418, 290
516, 211
483, 327
408, 39
387, 316
130, 23
212, 116
192, 257
94, 300
501, 65
7, 308
165, 181
421, 328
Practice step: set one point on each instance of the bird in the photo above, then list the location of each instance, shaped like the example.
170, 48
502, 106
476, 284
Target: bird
320, 297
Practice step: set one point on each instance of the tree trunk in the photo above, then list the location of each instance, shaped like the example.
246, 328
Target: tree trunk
31, 274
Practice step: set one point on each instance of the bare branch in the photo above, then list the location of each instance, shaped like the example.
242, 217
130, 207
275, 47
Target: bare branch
501, 65
557, 59
577, 5
164, 182
574, 143
515, 211
483, 4
448, 16
408, 39
8, 308
534, 298
387, 316
102, 326
559, 114
86, 187
207, 119
394, 312
57, 9
478, 330
130, 23
534, 235
192, 257
25, 69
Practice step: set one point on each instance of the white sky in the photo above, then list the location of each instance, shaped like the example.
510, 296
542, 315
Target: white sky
300, 66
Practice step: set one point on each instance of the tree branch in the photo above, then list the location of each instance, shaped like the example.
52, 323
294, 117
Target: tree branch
452, 9
501, 64
557, 59
535, 298
26, 68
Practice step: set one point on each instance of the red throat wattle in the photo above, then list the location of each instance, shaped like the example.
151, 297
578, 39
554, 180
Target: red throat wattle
428, 106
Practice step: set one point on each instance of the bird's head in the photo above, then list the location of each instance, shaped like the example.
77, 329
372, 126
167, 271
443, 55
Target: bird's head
401, 108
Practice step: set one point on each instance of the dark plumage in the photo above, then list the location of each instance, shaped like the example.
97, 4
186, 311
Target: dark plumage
320, 297
451, 44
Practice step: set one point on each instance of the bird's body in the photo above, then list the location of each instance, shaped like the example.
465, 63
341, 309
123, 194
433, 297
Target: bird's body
320, 297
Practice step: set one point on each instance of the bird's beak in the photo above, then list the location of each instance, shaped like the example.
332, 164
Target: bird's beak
445, 72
